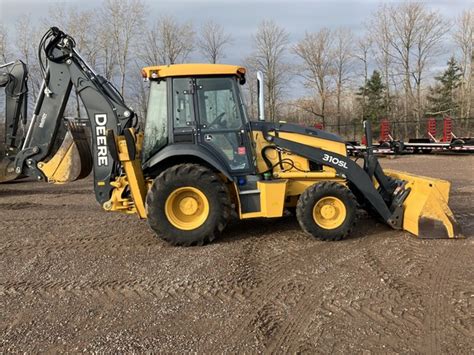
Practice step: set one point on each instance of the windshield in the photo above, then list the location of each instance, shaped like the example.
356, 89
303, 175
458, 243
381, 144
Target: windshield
156, 125
242, 103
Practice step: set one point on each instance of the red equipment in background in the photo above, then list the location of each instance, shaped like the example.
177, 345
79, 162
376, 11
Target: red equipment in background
384, 130
318, 126
432, 128
447, 129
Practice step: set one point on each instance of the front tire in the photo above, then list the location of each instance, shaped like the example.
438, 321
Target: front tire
327, 211
188, 205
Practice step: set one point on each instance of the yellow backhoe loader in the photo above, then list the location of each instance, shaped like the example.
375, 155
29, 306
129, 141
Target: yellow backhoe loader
199, 157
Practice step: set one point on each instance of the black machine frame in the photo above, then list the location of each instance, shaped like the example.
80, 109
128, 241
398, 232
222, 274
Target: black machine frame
15, 80
64, 69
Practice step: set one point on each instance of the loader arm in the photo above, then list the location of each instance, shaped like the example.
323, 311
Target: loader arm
63, 69
404, 201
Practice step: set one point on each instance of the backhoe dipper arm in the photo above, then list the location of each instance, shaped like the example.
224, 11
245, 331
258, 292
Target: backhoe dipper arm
14, 76
104, 105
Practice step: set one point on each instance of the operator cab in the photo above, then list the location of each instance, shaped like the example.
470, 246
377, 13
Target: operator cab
198, 109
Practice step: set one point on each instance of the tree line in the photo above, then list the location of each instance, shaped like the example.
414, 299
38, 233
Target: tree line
386, 72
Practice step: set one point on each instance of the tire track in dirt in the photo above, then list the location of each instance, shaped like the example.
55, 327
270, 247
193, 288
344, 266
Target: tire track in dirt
41, 190
277, 271
385, 309
274, 275
127, 288
301, 317
53, 243
257, 264
402, 299
83, 244
440, 310
462, 304
19, 206
284, 303
297, 319
88, 215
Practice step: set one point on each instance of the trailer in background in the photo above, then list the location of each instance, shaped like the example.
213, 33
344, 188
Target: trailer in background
387, 145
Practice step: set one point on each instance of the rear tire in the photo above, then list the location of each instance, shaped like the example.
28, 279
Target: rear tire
327, 211
188, 205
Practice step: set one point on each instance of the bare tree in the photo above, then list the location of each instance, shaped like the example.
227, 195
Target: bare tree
362, 50
413, 33
168, 42
4, 50
318, 60
343, 49
25, 48
464, 38
379, 29
212, 40
431, 29
125, 19
404, 26
270, 44
106, 54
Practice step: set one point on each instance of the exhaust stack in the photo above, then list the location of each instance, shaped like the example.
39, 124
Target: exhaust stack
261, 99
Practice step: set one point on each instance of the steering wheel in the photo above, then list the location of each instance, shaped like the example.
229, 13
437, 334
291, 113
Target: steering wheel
218, 120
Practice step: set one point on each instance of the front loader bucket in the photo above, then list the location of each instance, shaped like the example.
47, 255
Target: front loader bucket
426, 211
73, 159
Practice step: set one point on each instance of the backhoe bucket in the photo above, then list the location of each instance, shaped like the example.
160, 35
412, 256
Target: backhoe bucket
426, 211
73, 159
7, 162
7, 168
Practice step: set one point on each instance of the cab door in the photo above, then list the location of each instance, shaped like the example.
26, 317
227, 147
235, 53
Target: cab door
221, 123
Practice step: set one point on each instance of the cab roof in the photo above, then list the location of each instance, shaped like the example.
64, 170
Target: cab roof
163, 71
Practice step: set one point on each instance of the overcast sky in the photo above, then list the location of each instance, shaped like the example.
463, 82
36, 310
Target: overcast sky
241, 17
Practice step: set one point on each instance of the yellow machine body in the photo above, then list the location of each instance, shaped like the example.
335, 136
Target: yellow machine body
426, 212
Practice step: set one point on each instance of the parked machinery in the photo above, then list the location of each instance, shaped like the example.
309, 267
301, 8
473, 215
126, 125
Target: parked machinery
199, 157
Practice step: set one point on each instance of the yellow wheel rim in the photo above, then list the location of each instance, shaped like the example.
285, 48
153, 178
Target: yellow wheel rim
329, 212
187, 208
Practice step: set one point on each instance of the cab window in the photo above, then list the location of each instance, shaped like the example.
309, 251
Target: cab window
182, 103
218, 103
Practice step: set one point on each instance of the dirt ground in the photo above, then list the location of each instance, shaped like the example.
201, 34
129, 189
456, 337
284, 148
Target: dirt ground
76, 278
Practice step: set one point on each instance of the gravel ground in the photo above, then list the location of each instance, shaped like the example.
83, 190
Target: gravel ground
76, 278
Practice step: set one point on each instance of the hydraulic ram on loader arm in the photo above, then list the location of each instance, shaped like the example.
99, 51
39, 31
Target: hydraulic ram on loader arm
62, 70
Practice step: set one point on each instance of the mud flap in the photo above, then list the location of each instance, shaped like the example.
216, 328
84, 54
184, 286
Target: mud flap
73, 159
426, 212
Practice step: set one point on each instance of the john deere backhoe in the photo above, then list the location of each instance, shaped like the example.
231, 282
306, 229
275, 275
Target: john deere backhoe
199, 157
